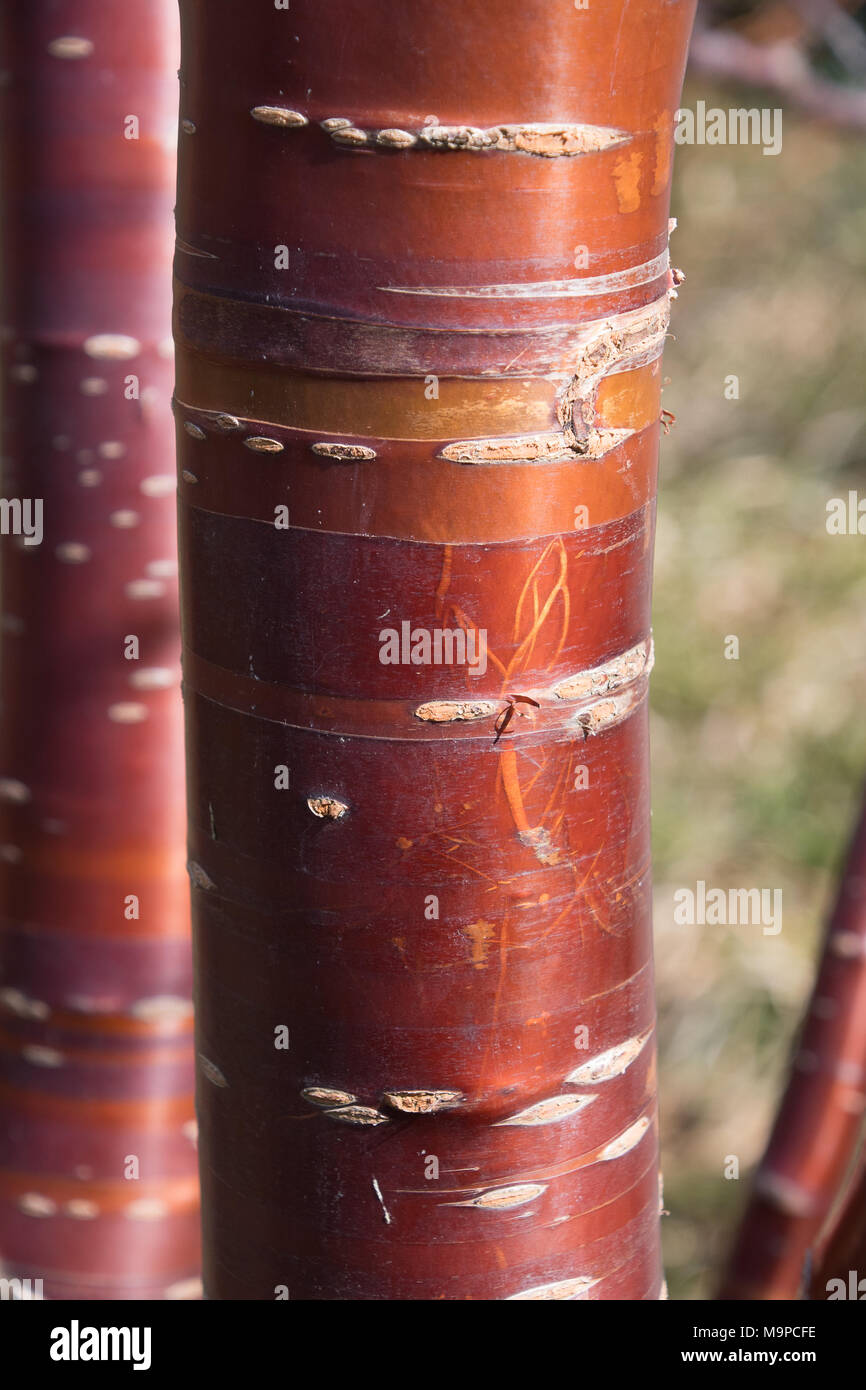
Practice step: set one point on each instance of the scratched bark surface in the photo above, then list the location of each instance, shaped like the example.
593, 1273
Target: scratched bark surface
422, 288
95, 1012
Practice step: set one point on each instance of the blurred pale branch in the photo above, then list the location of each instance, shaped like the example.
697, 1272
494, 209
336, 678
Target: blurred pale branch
780, 46
842, 34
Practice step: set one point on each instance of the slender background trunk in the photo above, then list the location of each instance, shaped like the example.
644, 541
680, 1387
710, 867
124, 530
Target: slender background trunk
97, 1166
815, 1134
422, 294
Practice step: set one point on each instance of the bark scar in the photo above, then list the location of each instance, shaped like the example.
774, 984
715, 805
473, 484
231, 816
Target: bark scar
617, 344
548, 139
607, 693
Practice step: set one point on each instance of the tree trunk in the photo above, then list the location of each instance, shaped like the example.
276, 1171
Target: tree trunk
815, 1134
97, 1164
422, 295
838, 1259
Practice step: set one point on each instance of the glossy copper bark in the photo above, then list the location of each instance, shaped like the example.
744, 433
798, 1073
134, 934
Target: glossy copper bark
422, 291
815, 1133
97, 1164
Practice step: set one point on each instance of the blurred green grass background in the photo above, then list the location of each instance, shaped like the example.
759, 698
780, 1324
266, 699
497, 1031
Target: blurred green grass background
757, 762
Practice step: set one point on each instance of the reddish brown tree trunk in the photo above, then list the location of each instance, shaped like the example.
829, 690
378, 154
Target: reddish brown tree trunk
97, 1178
836, 1268
422, 295
815, 1133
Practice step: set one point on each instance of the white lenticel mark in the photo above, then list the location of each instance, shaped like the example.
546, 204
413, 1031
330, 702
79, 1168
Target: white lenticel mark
161, 569
609, 1064
158, 485
396, 139
202, 879
125, 519
548, 1112
212, 1071
90, 477
80, 1209
349, 135
162, 1007
146, 1209
184, 1289
42, 1056
34, 1204
144, 588
348, 452
625, 1142
561, 1289
22, 1005
260, 444
504, 1198
154, 678
70, 46
127, 712
11, 854
118, 347
24, 373
111, 449
72, 552
278, 115
12, 790
93, 386
783, 1193
365, 1116
328, 1096
848, 945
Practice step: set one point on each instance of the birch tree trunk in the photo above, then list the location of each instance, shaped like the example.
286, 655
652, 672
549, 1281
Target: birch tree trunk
98, 1191
422, 292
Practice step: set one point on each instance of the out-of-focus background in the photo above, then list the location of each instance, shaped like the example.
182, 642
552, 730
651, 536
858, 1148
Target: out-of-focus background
757, 762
